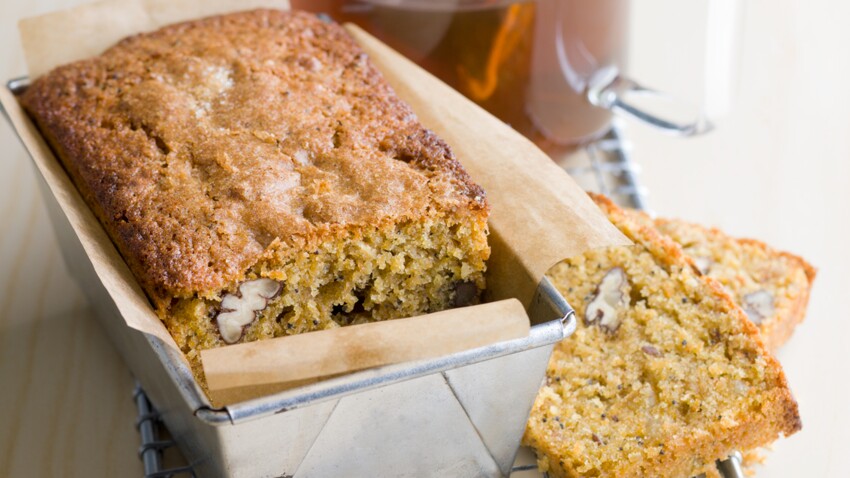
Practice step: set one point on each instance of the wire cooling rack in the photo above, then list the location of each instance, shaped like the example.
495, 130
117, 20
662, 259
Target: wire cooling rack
603, 166
156, 443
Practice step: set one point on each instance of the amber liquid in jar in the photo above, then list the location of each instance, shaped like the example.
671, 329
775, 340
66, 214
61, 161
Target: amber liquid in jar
526, 62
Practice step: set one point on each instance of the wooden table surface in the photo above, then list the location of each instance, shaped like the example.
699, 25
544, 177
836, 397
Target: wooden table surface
777, 168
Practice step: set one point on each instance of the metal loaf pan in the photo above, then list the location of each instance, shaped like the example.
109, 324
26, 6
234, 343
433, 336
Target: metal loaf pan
458, 415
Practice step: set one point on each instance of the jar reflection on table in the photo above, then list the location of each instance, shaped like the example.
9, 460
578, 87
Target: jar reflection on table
527, 62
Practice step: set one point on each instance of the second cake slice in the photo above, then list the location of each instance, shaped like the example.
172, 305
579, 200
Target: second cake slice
771, 286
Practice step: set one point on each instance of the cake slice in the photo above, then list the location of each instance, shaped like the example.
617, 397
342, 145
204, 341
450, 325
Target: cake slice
771, 286
664, 374
261, 178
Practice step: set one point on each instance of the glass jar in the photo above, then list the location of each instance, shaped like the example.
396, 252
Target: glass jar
549, 68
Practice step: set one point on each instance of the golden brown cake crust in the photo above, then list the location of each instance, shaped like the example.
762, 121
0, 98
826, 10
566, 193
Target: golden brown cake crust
680, 380
747, 267
206, 144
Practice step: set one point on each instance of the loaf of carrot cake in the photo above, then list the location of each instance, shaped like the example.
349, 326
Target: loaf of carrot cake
261, 178
664, 375
771, 286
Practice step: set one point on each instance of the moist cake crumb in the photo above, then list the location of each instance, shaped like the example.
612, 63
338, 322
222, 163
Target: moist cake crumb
676, 386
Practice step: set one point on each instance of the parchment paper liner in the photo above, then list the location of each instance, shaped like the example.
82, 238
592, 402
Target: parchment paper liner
539, 215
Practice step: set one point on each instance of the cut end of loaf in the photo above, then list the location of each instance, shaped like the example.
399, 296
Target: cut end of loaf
365, 275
